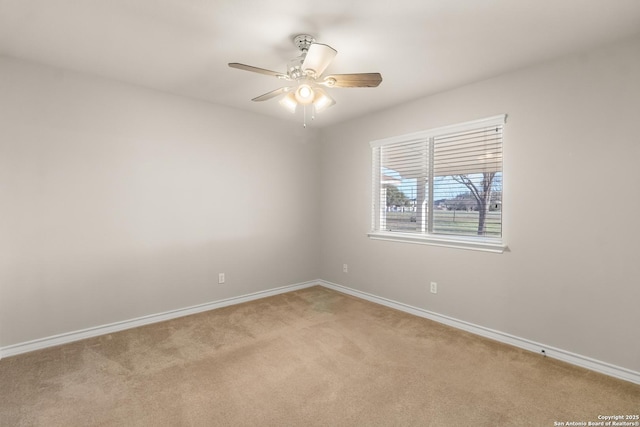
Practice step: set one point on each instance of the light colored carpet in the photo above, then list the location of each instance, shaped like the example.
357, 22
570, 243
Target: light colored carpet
310, 357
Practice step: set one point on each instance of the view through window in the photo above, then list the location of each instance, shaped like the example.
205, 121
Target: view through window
441, 182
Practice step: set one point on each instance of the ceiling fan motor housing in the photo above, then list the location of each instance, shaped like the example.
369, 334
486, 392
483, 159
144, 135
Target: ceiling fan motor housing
294, 68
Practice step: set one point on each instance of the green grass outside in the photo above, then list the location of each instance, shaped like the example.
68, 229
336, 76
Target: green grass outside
448, 222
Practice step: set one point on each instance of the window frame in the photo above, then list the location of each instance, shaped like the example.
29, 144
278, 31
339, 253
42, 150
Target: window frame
480, 243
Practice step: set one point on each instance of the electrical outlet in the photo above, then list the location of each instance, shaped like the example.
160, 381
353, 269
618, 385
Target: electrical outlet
220, 278
345, 268
434, 288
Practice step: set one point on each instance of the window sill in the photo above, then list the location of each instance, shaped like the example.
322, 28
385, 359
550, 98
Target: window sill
485, 245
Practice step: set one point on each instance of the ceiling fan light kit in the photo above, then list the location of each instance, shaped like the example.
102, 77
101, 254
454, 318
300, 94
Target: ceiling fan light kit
305, 72
304, 94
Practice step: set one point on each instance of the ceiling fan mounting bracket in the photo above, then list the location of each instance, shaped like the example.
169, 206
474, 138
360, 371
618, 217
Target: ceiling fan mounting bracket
303, 41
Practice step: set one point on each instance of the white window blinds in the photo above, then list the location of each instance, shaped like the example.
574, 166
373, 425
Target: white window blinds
442, 182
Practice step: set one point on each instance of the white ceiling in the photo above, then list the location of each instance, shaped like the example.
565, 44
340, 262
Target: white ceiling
420, 46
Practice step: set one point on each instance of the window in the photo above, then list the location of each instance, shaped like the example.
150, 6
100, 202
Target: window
442, 186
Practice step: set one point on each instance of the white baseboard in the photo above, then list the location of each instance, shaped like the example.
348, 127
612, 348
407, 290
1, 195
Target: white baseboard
556, 353
69, 337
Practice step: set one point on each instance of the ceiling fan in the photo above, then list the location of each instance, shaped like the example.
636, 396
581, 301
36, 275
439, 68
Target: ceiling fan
306, 83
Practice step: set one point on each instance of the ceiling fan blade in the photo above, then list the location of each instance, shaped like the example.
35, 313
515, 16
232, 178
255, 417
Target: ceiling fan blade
353, 80
272, 94
258, 70
318, 58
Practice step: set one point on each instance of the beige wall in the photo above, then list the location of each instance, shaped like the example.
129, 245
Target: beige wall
119, 202
571, 277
